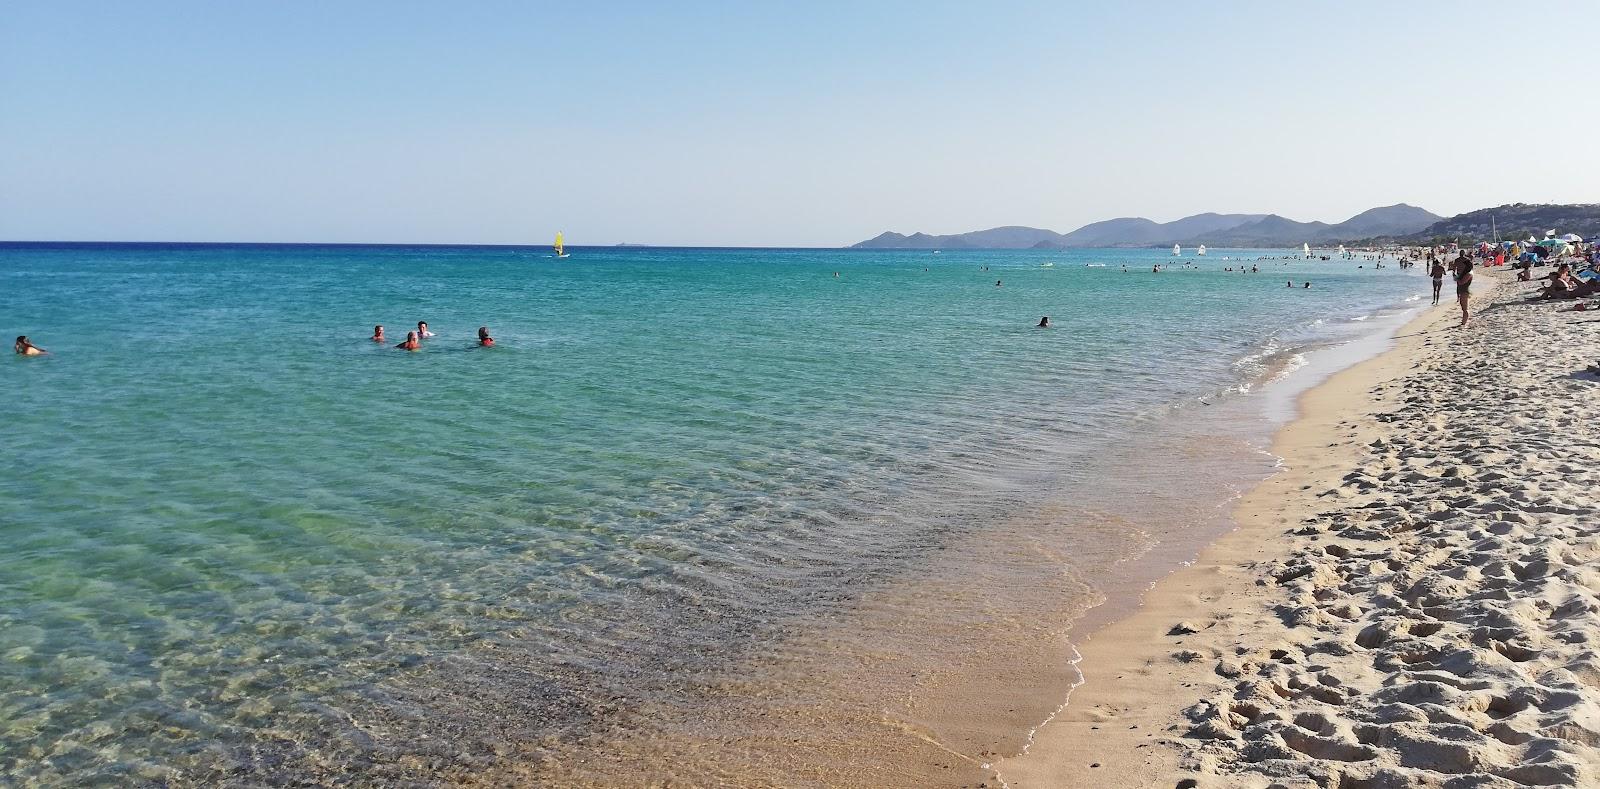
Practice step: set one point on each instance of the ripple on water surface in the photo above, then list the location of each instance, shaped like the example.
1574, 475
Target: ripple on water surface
244, 543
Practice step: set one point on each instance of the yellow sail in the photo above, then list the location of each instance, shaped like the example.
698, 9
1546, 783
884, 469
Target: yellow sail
559, 245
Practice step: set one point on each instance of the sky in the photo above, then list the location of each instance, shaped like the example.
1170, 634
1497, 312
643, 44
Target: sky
773, 123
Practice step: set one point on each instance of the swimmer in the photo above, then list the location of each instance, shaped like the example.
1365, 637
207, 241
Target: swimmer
997, 283
835, 275
25, 348
1291, 283
1308, 286
483, 337
411, 343
422, 330
377, 333
1044, 323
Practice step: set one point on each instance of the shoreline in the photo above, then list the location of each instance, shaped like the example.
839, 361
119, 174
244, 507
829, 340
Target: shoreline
1116, 726
928, 679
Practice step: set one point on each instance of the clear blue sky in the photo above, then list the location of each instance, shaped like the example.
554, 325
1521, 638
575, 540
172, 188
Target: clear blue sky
773, 124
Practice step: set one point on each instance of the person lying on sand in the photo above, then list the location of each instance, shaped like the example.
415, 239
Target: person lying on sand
25, 348
1561, 286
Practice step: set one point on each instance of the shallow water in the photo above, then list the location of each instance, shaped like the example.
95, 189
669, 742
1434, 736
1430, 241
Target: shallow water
243, 541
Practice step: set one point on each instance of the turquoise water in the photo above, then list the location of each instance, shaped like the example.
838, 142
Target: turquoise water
244, 542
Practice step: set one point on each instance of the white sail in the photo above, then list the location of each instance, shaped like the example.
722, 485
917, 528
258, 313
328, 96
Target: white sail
1202, 250
1305, 249
1176, 250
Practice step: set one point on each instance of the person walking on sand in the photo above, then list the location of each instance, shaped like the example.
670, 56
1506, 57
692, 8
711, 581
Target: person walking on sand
1437, 272
25, 348
1462, 268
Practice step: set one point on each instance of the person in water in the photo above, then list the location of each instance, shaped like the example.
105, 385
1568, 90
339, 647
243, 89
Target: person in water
1437, 272
483, 337
411, 342
422, 330
1044, 323
1308, 285
997, 283
1462, 269
377, 333
25, 348
1291, 283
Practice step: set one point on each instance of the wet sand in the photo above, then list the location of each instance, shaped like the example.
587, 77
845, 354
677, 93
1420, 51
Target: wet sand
1410, 603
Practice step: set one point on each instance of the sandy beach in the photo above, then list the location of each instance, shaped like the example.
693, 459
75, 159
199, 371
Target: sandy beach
1411, 602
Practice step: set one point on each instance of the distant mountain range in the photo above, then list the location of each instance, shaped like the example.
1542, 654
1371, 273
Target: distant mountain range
1218, 230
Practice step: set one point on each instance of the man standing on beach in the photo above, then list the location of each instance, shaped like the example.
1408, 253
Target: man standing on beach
1437, 272
1462, 269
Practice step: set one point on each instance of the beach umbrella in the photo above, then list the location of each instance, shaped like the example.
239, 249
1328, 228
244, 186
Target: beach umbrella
1572, 238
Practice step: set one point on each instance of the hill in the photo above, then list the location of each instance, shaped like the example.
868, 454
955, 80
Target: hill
1010, 237
1219, 230
1512, 222
1389, 220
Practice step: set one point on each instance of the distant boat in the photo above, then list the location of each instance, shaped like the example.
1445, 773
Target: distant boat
1201, 251
936, 252
1305, 249
1176, 250
1047, 265
561, 247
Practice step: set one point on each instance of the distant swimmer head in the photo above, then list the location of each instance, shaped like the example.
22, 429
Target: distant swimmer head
377, 333
997, 283
1308, 284
1044, 323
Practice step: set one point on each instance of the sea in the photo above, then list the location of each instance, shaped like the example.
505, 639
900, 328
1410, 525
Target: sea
742, 516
